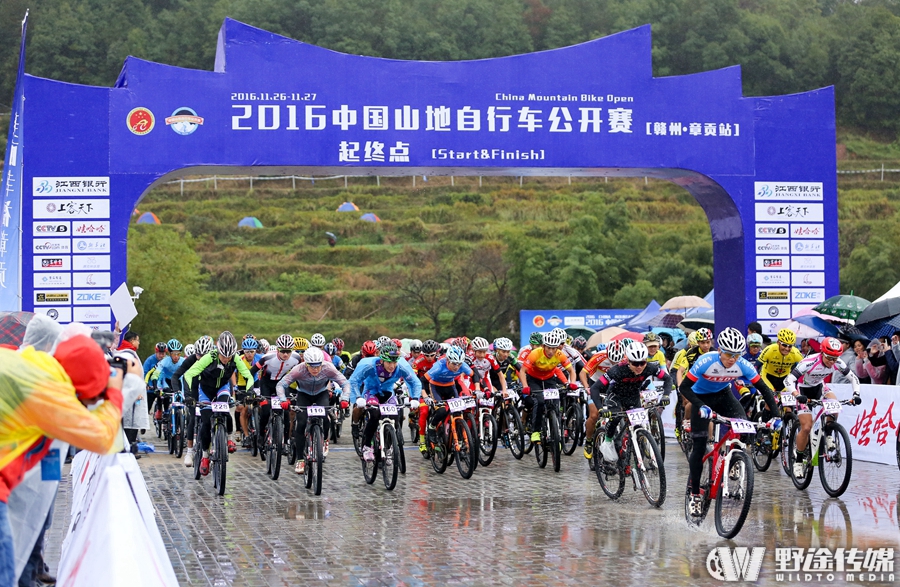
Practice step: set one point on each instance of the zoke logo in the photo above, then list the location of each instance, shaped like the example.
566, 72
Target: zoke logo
738, 564
85, 297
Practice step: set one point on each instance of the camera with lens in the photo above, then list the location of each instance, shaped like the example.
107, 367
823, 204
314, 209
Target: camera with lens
118, 362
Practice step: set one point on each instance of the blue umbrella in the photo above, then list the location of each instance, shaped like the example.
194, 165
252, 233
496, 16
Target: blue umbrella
817, 324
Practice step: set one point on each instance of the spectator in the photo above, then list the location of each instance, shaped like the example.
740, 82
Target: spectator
47, 397
805, 349
848, 356
892, 356
874, 363
757, 328
131, 342
859, 356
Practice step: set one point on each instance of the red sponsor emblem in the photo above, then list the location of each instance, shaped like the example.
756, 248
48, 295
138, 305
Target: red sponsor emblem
140, 121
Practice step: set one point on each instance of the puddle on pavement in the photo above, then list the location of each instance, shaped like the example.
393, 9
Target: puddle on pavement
310, 510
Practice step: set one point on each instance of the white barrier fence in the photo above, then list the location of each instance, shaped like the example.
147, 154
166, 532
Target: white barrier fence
113, 538
872, 425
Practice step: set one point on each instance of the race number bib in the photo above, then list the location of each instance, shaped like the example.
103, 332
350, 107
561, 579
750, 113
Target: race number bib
388, 409
456, 405
487, 403
276, 404
832, 406
551, 394
638, 417
469, 401
788, 399
649, 395
197, 411
315, 411
743, 427
220, 406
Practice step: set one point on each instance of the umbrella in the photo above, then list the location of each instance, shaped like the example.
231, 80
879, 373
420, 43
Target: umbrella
604, 335
631, 335
250, 222
332, 239
800, 329
675, 333
12, 327
576, 331
880, 328
701, 320
666, 320
842, 306
852, 333
877, 310
148, 218
369, 217
820, 326
685, 302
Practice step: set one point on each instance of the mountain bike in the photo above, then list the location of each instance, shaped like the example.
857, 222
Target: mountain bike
551, 438
251, 403
175, 423
385, 447
218, 449
511, 431
471, 416
765, 446
274, 439
651, 400
452, 440
835, 462
732, 491
398, 429
573, 419
315, 445
639, 457
487, 437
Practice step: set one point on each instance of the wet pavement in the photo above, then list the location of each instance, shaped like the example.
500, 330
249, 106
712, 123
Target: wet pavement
510, 524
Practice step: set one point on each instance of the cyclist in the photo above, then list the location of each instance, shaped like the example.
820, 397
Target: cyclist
249, 355
809, 378
161, 376
534, 341
703, 336
579, 343
161, 350
339, 345
312, 377
210, 379
599, 365
708, 384
508, 362
622, 386
485, 367
377, 377
777, 360
264, 346
300, 345
754, 347
203, 345
271, 369
442, 379
537, 372
332, 356
368, 349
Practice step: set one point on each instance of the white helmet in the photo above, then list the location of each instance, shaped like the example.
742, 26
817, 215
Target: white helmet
188, 350
226, 344
313, 357
615, 351
455, 355
554, 338
732, 341
285, 342
203, 345
381, 340
562, 333
264, 345
503, 344
479, 344
317, 339
637, 352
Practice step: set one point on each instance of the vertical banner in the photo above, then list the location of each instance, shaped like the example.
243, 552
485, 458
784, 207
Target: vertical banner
11, 196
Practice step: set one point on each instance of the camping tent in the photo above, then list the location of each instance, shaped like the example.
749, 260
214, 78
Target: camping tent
348, 207
250, 222
148, 218
369, 217
639, 322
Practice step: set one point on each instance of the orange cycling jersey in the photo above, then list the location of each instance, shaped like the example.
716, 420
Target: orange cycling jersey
540, 366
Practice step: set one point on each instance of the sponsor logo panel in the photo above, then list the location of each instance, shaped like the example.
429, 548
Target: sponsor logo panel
46, 229
140, 121
782, 212
69, 186
90, 245
71, 209
764, 247
88, 314
807, 231
573, 320
772, 231
53, 297
44, 280
86, 297
47, 246
773, 262
808, 247
808, 295
773, 295
91, 262
91, 279
777, 312
772, 279
807, 279
184, 121
808, 263
90, 228
58, 313
788, 191
52, 263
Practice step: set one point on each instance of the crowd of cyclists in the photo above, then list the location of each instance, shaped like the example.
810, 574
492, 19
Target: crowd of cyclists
461, 398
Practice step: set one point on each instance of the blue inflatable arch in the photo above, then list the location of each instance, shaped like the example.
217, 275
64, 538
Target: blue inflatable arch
762, 168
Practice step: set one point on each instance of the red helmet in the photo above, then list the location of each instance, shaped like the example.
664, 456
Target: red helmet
369, 349
832, 347
397, 342
462, 342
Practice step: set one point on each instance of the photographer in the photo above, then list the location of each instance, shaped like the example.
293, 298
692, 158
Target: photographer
48, 397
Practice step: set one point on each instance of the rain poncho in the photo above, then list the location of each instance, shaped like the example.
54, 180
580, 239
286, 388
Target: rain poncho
37, 399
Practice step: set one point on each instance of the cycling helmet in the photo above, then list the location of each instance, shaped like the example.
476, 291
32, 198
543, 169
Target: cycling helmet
249, 336
579, 343
637, 352
562, 333
285, 342
264, 345
430, 347
317, 340
692, 338
832, 347
503, 344
705, 334
204, 344
415, 346
536, 338
755, 339
226, 344
381, 340
397, 342
389, 352
787, 336
313, 357
651, 337
338, 342
250, 344
553, 338
173, 345
601, 347
162, 347
462, 342
480, 344
330, 348
188, 349
300, 344
732, 341
615, 352
369, 349
455, 355
626, 342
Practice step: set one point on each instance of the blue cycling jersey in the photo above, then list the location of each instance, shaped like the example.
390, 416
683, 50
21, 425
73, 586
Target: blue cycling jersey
710, 375
150, 364
375, 380
166, 370
440, 374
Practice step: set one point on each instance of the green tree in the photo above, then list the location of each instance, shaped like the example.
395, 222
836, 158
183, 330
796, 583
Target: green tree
174, 303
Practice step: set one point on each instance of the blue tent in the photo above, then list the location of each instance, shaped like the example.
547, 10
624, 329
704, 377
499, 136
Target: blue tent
369, 217
251, 222
348, 207
640, 322
148, 218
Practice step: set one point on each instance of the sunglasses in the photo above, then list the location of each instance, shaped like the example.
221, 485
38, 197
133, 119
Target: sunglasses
430, 355
453, 363
638, 363
287, 351
783, 345
829, 358
731, 355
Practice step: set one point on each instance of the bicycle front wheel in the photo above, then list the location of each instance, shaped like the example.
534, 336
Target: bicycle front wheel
254, 432
439, 451
465, 449
220, 450
273, 459
659, 433
487, 440
735, 495
835, 465
179, 434
785, 439
571, 428
390, 466
555, 444
791, 448
314, 462
762, 453
650, 472
610, 475
516, 433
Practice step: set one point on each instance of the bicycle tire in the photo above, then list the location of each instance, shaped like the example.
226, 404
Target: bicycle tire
307, 475
555, 440
705, 484
611, 476
438, 452
761, 455
526, 436
401, 458
803, 483
221, 454
570, 430
787, 431
170, 443
357, 440
465, 455
652, 468
314, 463
179, 434
488, 444
158, 422
198, 453
516, 433
276, 429
390, 466
254, 427
540, 451
472, 423
658, 431
742, 497
830, 461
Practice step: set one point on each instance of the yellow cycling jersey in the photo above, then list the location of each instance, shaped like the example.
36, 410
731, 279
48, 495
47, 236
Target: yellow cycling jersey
659, 357
241, 380
775, 364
